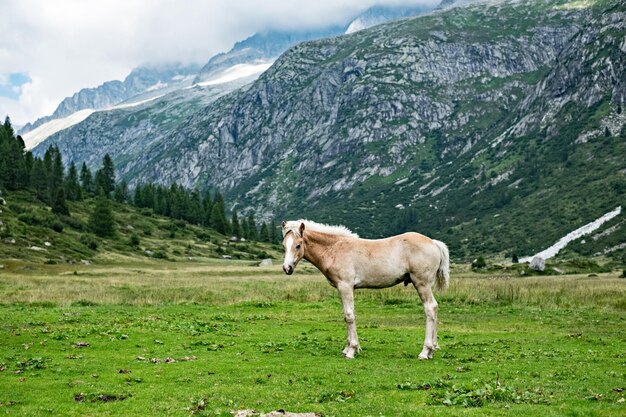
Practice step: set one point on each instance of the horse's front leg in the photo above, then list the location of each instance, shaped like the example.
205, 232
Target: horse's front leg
346, 292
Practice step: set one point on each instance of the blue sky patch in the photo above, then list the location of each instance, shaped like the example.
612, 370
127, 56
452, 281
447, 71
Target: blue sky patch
11, 84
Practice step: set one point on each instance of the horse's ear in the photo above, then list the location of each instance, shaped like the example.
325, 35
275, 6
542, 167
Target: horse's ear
283, 224
301, 229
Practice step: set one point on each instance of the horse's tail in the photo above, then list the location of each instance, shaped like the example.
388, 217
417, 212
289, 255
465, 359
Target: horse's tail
443, 273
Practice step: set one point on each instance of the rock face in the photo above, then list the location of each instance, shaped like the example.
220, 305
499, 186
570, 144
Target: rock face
462, 124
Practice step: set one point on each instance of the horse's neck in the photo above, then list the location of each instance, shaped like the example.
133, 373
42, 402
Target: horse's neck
317, 246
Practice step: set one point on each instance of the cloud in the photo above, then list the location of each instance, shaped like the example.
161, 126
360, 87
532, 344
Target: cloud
11, 84
67, 45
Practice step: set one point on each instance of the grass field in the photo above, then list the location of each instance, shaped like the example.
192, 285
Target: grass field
182, 339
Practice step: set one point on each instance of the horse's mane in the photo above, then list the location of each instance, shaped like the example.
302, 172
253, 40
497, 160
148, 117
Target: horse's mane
338, 230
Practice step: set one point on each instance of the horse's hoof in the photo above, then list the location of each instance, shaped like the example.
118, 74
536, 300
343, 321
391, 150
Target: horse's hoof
423, 357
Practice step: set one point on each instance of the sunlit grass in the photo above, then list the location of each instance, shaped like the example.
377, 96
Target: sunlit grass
203, 338
228, 282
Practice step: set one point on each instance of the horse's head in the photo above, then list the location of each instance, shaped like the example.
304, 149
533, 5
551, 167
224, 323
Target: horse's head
293, 242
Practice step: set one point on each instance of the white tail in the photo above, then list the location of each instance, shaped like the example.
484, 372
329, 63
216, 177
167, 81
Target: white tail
443, 273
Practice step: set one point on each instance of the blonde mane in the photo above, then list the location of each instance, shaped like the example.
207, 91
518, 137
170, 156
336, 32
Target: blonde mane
339, 230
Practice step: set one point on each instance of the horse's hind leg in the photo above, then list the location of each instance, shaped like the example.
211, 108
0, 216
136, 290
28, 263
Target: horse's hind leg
430, 310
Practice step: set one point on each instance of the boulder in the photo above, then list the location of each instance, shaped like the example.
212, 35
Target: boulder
537, 264
266, 262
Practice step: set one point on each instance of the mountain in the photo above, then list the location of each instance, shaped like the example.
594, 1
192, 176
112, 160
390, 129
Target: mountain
381, 14
496, 127
246, 59
259, 50
147, 80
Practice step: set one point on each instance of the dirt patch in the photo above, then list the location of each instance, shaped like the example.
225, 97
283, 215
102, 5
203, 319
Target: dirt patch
103, 398
277, 413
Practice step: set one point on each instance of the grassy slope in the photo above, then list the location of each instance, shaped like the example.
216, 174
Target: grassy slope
249, 337
30, 223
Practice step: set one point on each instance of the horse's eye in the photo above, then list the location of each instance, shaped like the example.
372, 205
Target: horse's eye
297, 246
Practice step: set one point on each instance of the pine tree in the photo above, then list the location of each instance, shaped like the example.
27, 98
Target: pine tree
235, 228
217, 219
273, 232
195, 211
245, 230
101, 221
207, 204
138, 196
12, 169
47, 168
72, 187
56, 192
218, 214
59, 206
121, 192
105, 176
264, 235
252, 231
86, 179
8, 128
38, 180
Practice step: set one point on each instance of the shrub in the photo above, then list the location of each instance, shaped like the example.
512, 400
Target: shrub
134, 240
159, 254
57, 226
5, 231
479, 263
89, 241
72, 222
34, 218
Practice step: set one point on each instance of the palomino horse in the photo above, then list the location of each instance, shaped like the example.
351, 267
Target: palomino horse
349, 262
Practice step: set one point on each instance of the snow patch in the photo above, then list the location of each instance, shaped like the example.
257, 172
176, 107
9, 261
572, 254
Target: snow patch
132, 104
156, 86
581, 231
236, 72
39, 134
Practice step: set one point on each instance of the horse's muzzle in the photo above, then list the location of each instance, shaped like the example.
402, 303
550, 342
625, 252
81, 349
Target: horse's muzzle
288, 269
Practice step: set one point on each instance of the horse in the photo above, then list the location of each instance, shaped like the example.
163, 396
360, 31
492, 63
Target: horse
349, 262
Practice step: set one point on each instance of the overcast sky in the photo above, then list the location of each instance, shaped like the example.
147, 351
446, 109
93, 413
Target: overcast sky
51, 49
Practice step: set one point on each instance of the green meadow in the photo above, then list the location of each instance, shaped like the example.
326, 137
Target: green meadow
207, 338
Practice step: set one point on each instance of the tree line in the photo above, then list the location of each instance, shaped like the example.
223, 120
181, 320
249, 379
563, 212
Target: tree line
48, 178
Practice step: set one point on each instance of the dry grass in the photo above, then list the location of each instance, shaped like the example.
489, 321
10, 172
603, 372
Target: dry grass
219, 283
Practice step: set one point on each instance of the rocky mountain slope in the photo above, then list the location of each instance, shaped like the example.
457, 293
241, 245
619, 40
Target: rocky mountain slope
246, 59
496, 127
